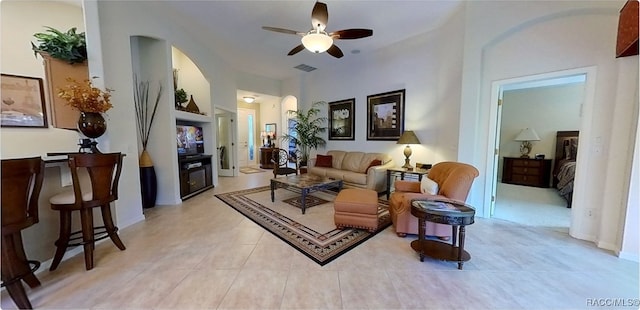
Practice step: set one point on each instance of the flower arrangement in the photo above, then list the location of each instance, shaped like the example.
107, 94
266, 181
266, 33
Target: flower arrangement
84, 97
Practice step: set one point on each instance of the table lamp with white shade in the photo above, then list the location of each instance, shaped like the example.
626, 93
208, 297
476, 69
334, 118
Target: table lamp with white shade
525, 137
408, 137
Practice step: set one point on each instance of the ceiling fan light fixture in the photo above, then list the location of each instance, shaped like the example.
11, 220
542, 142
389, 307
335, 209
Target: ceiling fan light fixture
317, 41
248, 99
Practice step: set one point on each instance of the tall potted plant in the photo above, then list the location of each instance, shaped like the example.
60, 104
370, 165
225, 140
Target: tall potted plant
305, 131
145, 114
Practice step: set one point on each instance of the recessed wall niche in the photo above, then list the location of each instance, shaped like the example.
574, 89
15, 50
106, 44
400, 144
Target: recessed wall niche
153, 60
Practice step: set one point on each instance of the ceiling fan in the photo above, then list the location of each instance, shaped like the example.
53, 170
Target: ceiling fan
317, 40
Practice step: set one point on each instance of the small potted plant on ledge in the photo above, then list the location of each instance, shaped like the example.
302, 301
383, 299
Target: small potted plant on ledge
65, 55
69, 46
305, 131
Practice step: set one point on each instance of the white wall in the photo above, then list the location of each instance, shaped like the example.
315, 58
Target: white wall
20, 20
529, 38
428, 67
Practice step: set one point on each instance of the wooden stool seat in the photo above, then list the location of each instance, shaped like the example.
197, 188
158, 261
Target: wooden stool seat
104, 173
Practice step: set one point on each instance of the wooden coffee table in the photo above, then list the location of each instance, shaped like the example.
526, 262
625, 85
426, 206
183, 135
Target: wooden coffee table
449, 212
304, 184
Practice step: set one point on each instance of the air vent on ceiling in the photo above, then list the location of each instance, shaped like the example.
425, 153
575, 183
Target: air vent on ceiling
305, 68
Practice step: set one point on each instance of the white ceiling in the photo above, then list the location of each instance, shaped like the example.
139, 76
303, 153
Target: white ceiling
234, 27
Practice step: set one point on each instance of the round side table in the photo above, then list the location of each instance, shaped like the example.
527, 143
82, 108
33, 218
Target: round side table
448, 212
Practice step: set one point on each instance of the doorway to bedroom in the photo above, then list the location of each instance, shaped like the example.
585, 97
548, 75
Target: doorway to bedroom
530, 115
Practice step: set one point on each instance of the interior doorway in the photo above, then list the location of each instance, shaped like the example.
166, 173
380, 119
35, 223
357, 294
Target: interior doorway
225, 135
540, 102
246, 137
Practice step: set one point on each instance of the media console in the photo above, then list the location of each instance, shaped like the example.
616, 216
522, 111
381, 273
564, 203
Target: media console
195, 175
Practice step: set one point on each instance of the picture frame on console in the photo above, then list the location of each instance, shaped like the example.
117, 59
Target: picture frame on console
342, 119
385, 115
23, 103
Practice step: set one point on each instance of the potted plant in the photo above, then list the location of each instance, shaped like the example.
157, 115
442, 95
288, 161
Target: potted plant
305, 131
69, 46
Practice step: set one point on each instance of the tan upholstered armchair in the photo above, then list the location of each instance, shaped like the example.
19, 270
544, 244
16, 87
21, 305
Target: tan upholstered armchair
454, 182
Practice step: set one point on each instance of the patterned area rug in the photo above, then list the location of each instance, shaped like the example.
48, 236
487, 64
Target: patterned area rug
314, 233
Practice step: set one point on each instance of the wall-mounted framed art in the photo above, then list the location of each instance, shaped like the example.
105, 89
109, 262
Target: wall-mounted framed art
342, 119
385, 115
23, 103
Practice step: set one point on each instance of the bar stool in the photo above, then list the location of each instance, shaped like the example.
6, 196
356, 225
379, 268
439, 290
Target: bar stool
21, 185
104, 172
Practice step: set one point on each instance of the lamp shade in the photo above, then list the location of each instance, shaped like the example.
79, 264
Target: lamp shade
408, 137
527, 134
248, 99
317, 42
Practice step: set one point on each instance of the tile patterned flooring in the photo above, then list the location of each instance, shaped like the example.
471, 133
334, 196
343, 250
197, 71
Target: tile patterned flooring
205, 255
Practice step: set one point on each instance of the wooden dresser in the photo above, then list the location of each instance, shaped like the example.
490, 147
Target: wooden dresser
527, 171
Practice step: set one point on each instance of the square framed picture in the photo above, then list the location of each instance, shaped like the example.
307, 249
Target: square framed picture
385, 115
23, 102
342, 119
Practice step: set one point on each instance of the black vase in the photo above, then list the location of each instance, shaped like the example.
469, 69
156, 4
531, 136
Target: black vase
148, 181
92, 124
149, 186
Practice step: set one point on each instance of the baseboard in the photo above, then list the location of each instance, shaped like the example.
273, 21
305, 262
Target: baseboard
634, 257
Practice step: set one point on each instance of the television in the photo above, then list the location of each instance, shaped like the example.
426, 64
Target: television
189, 140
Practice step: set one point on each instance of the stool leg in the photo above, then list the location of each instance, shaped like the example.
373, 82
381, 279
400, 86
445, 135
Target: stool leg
112, 230
63, 239
18, 295
18, 246
12, 268
86, 219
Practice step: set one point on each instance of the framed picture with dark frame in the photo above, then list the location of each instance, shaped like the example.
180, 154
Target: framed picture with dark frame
23, 102
385, 115
342, 119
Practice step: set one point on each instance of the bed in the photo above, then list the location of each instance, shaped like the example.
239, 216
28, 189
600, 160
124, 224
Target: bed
565, 163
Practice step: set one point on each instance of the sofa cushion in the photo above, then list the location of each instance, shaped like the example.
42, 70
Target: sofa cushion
352, 162
354, 177
338, 156
335, 173
324, 161
321, 171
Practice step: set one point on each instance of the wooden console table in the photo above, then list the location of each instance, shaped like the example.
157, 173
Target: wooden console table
448, 212
401, 172
266, 153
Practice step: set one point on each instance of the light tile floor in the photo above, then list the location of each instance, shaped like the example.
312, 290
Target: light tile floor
205, 255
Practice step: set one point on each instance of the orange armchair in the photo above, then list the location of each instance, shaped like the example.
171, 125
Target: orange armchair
454, 182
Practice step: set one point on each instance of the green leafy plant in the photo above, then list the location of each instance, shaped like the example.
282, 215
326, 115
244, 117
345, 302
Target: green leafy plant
69, 46
181, 97
305, 131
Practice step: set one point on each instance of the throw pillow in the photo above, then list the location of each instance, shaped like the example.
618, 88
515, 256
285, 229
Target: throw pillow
428, 186
375, 162
324, 161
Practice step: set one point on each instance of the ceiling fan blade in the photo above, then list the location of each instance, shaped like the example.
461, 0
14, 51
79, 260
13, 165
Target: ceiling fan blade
319, 16
282, 30
296, 50
349, 34
335, 51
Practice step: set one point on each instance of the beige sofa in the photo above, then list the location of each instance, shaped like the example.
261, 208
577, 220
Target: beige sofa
353, 169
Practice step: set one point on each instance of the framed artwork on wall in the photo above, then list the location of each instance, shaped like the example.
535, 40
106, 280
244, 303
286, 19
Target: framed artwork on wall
23, 102
385, 115
342, 119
